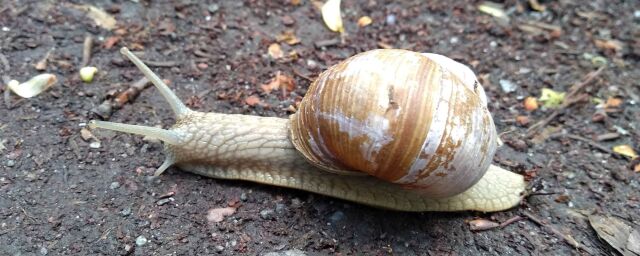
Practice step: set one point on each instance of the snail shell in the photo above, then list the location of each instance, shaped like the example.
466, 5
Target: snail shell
418, 120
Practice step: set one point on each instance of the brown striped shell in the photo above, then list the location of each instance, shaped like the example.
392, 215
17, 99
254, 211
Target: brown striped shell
418, 120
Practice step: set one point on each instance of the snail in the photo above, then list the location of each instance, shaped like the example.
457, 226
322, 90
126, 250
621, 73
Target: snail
388, 128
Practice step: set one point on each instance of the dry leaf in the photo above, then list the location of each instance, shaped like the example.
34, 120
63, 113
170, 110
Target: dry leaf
275, 51
100, 17
551, 98
111, 41
364, 21
625, 150
494, 9
618, 233
530, 103
522, 120
610, 44
613, 102
536, 5
252, 100
288, 37
34, 86
332, 16
279, 81
482, 224
218, 214
86, 134
636, 168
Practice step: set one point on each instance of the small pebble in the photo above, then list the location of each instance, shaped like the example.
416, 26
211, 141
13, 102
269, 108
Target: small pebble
508, 86
243, 197
10, 163
336, 217
296, 203
454, 40
127, 248
95, 144
294, 252
213, 8
219, 248
281, 208
44, 251
141, 240
164, 201
114, 185
266, 214
391, 19
126, 211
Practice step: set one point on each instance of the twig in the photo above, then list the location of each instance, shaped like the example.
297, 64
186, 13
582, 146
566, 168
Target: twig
509, 221
161, 63
298, 73
567, 238
5, 62
86, 50
583, 139
570, 99
108, 106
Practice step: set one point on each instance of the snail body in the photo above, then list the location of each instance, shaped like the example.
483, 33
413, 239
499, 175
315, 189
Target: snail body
388, 128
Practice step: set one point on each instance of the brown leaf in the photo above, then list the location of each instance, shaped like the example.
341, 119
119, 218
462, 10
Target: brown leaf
218, 214
279, 81
613, 102
288, 37
275, 51
609, 44
364, 21
252, 100
110, 42
522, 120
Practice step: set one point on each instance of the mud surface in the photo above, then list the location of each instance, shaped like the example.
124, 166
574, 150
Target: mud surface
59, 195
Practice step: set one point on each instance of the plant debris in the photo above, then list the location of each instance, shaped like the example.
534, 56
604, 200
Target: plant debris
620, 235
332, 16
217, 215
551, 98
34, 86
625, 150
100, 17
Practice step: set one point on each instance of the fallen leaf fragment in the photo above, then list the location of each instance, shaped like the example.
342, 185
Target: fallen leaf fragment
86, 134
609, 44
482, 224
279, 81
619, 234
364, 21
288, 37
625, 150
522, 120
530, 103
252, 100
636, 167
332, 16
536, 5
613, 102
275, 51
100, 17
34, 86
494, 9
551, 98
218, 214
87, 73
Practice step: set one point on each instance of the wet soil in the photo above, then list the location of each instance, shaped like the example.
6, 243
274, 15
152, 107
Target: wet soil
61, 195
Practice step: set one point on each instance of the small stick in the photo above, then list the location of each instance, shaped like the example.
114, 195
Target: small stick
167, 64
569, 100
108, 106
567, 238
5, 62
511, 220
583, 139
86, 50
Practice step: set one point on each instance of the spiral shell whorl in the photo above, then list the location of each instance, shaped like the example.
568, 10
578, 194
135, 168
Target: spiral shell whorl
399, 116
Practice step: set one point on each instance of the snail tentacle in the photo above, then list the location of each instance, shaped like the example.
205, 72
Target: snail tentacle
168, 136
177, 106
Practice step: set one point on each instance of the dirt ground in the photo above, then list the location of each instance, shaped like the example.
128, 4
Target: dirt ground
60, 194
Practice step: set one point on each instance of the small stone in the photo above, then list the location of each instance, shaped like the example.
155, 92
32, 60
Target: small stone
266, 214
337, 217
391, 19
127, 248
10, 163
44, 251
164, 201
126, 211
508, 86
219, 248
454, 40
296, 203
243, 197
294, 252
281, 208
213, 8
141, 240
95, 144
31, 176
288, 20
114, 185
